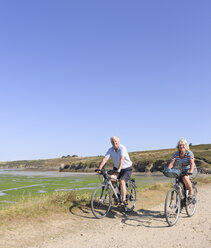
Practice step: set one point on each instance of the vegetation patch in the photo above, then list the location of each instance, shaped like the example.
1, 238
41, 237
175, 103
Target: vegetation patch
143, 161
203, 180
44, 205
60, 202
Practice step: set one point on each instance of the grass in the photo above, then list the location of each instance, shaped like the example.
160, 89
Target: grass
32, 207
203, 180
16, 187
59, 202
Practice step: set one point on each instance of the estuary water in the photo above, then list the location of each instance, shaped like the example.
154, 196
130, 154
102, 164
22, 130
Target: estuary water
157, 176
15, 183
141, 178
40, 173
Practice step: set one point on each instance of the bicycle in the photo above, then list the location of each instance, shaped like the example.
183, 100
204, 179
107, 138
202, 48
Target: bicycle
101, 199
177, 198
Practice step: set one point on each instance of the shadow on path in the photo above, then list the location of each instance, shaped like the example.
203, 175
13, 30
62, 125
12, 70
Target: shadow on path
142, 217
146, 217
86, 212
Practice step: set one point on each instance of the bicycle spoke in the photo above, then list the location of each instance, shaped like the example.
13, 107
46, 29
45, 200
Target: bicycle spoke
172, 207
191, 204
130, 197
101, 201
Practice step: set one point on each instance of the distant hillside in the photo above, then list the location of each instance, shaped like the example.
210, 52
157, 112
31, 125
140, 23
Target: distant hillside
143, 161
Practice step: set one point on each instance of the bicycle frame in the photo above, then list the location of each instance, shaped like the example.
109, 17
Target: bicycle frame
101, 199
107, 183
173, 207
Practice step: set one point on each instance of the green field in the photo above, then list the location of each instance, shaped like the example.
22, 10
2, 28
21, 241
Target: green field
27, 197
15, 187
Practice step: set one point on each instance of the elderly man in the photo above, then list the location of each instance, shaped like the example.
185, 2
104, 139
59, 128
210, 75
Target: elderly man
122, 163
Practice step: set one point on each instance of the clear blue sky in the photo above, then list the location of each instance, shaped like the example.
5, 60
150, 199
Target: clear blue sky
74, 73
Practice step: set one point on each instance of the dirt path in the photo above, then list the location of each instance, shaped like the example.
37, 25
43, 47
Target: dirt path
144, 228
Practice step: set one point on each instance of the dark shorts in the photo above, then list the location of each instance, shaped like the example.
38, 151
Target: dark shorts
124, 174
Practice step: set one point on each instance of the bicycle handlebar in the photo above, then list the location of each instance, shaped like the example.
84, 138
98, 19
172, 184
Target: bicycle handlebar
106, 174
102, 172
186, 173
176, 173
110, 172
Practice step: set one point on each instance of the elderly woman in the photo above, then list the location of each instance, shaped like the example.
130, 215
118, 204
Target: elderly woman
184, 159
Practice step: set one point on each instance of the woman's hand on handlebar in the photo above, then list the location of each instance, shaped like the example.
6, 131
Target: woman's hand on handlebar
187, 173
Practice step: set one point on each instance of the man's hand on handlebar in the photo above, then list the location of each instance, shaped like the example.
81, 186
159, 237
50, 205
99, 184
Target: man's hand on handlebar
98, 171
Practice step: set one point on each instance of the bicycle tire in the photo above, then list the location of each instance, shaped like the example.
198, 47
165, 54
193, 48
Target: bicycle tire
191, 206
172, 207
131, 197
101, 201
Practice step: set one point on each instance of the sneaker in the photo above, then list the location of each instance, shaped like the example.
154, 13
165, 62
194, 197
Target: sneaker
115, 201
190, 197
124, 204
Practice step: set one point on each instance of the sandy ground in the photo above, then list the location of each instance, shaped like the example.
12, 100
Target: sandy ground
145, 227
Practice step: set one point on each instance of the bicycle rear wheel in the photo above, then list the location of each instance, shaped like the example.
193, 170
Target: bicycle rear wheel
191, 204
130, 196
172, 207
101, 201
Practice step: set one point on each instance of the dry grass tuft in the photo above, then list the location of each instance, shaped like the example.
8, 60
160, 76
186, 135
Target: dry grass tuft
33, 207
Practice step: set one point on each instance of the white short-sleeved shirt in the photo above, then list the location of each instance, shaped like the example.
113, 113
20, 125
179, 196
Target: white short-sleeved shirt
116, 156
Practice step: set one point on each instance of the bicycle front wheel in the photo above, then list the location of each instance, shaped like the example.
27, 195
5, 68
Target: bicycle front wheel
101, 201
130, 197
191, 204
172, 207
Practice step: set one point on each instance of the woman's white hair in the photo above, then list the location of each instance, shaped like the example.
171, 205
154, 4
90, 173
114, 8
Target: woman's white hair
114, 138
184, 142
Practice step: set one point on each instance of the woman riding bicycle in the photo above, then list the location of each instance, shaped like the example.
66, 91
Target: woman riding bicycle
122, 163
184, 160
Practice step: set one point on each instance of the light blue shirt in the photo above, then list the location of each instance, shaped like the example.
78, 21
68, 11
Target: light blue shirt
183, 162
116, 156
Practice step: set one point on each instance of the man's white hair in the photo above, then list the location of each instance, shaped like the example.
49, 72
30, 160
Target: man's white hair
114, 138
184, 142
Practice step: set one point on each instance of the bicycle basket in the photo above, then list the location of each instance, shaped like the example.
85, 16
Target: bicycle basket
173, 173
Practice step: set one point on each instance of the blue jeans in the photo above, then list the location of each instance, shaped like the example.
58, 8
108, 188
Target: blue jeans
187, 168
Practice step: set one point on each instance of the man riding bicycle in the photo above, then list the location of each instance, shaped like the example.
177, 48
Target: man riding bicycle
122, 163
